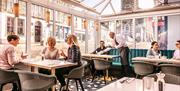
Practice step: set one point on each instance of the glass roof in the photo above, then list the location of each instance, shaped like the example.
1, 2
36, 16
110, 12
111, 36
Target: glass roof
110, 7
104, 7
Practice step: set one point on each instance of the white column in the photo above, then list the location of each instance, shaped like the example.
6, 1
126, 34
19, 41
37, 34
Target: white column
28, 28
54, 22
15, 25
86, 36
134, 31
72, 24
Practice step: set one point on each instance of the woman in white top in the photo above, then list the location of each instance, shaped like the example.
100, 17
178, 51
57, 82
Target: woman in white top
177, 51
154, 51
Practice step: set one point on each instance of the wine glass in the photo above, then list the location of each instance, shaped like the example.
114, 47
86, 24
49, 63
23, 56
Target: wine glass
148, 84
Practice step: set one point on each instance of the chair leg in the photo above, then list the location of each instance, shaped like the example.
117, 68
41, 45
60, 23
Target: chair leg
67, 84
18, 85
111, 78
137, 76
81, 84
1, 87
93, 76
104, 73
76, 84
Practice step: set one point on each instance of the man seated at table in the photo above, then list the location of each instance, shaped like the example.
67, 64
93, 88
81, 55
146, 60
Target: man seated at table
100, 49
177, 51
8, 56
154, 51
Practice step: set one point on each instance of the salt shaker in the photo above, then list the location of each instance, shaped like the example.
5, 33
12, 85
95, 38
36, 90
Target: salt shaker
160, 81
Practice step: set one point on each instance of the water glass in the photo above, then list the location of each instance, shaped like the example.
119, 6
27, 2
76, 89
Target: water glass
148, 84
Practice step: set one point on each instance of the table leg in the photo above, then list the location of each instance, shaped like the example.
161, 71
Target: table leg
107, 75
32, 69
53, 73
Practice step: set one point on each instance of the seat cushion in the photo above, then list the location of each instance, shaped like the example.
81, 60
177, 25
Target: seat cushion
36, 85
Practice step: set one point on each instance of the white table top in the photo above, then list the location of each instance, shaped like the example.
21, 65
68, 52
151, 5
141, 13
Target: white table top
48, 64
100, 56
135, 85
156, 60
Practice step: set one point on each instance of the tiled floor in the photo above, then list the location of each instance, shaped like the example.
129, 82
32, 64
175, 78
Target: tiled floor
88, 85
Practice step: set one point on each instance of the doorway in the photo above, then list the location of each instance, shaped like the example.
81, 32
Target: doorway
38, 26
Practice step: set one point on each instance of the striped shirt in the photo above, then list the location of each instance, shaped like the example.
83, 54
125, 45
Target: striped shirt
176, 54
8, 57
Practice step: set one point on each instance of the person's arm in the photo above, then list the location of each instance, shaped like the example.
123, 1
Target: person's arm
174, 55
148, 53
12, 59
57, 54
63, 54
121, 41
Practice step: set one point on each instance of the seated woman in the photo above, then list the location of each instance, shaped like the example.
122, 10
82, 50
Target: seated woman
52, 53
154, 51
177, 51
73, 55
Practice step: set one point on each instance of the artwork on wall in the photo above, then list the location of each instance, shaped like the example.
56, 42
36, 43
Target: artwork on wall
145, 32
162, 32
124, 27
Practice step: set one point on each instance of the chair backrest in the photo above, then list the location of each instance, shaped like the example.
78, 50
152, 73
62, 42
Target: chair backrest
28, 79
77, 72
170, 69
101, 64
169, 78
143, 68
7, 76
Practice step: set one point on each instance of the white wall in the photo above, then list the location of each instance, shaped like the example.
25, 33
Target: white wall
173, 0
173, 30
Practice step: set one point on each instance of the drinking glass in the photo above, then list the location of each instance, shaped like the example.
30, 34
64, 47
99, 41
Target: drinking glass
148, 84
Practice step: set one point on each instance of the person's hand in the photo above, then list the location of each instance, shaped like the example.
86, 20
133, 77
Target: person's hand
61, 52
24, 55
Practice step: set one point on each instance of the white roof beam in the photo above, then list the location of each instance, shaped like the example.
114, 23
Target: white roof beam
57, 7
112, 8
105, 6
98, 3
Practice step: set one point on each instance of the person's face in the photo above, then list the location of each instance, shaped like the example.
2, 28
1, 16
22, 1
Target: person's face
51, 43
156, 46
101, 44
111, 35
69, 41
178, 45
15, 42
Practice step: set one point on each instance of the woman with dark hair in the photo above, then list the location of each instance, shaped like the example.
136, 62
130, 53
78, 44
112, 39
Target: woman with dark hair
8, 56
177, 51
154, 51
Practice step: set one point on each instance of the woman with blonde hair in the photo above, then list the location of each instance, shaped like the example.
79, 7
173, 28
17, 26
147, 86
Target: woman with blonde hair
52, 53
74, 54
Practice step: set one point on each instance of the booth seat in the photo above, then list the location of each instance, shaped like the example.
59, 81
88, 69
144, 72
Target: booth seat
137, 53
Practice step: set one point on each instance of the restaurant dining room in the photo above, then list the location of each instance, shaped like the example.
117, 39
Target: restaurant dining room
89, 45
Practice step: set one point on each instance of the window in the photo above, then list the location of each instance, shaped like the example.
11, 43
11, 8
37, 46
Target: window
20, 30
10, 25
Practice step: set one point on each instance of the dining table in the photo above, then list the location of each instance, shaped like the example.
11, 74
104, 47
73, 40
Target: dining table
51, 65
100, 57
132, 84
157, 60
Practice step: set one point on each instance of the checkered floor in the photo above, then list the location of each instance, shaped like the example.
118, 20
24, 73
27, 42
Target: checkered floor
88, 85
